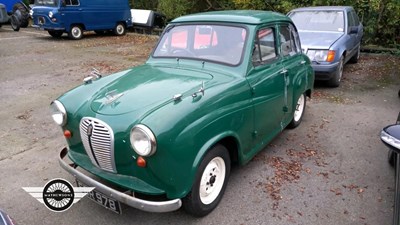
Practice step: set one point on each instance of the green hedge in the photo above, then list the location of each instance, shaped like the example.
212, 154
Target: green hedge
381, 18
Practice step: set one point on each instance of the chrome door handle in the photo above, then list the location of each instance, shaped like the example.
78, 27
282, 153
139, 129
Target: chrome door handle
303, 62
284, 71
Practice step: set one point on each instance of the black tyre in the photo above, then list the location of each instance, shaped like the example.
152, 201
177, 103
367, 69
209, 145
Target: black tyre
298, 111
15, 23
337, 77
75, 32
356, 57
55, 33
120, 29
210, 182
392, 158
23, 14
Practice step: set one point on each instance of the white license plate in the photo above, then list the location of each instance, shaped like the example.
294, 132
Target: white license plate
102, 199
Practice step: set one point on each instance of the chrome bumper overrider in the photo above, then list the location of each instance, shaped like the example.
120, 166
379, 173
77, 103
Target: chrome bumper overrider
149, 206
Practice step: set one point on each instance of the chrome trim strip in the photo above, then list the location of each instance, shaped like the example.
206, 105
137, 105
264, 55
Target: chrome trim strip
148, 206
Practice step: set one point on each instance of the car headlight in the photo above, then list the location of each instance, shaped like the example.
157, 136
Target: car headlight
58, 113
51, 14
31, 12
143, 140
321, 55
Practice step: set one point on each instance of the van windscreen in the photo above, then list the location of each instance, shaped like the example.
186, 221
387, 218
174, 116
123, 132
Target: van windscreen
46, 2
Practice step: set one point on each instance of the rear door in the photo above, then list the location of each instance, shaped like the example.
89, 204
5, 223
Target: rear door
293, 68
267, 84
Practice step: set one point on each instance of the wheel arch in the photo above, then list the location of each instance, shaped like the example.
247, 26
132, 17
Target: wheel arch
81, 25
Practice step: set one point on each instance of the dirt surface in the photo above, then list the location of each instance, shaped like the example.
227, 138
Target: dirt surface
332, 169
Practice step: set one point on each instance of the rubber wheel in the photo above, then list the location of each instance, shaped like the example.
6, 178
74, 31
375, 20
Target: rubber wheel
120, 29
23, 14
337, 77
210, 182
392, 158
55, 33
298, 111
356, 57
15, 23
75, 33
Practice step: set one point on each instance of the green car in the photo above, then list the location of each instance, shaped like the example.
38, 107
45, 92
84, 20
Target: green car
217, 88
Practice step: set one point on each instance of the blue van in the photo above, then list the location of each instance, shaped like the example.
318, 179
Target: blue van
76, 16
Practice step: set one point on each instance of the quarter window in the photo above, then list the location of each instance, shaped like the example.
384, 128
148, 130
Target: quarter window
264, 46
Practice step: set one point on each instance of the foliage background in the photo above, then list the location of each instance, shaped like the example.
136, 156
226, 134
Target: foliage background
381, 18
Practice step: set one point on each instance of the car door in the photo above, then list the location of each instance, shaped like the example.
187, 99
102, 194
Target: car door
293, 67
351, 44
267, 84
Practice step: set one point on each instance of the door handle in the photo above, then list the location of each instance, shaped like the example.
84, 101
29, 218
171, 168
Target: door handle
284, 71
303, 62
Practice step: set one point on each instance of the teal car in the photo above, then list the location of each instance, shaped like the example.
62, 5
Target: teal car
217, 88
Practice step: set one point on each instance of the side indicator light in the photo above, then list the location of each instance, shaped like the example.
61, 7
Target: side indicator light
67, 134
141, 162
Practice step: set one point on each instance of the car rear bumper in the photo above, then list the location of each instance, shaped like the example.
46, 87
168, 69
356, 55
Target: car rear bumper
145, 205
324, 71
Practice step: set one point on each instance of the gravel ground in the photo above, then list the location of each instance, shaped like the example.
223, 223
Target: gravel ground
331, 170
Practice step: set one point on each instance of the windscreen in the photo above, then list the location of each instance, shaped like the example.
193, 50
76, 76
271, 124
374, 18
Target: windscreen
217, 43
46, 2
319, 20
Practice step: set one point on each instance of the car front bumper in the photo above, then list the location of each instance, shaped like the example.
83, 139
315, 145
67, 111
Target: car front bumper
324, 71
145, 205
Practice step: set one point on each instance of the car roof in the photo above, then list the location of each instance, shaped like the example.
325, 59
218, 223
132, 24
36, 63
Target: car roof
234, 16
324, 8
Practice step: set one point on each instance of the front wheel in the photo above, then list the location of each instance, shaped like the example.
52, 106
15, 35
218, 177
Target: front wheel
299, 111
15, 23
337, 77
119, 30
76, 32
210, 182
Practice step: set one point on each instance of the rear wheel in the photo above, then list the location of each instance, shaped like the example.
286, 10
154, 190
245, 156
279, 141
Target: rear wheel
337, 77
22, 13
15, 23
119, 30
298, 112
55, 33
76, 32
210, 182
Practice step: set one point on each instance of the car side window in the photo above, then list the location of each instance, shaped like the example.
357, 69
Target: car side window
72, 2
287, 43
350, 20
355, 17
264, 46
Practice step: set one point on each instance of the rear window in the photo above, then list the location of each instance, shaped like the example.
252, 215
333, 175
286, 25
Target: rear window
319, 20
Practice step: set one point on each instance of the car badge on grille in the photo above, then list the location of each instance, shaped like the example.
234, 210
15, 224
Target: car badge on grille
112, 96
89, 130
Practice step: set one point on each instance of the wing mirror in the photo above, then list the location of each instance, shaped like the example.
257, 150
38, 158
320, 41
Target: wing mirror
353, 30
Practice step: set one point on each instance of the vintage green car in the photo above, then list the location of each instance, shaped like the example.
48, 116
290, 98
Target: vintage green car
218, 87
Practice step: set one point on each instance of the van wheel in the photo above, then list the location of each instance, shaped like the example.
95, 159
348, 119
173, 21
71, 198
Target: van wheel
76, 32
55, 33
210, 182
119, 30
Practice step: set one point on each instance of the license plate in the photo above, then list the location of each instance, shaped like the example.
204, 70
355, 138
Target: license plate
102, 199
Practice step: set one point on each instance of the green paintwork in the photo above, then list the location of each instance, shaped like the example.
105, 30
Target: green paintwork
243, 105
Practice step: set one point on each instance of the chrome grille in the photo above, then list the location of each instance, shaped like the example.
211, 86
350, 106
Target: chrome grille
98, 141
